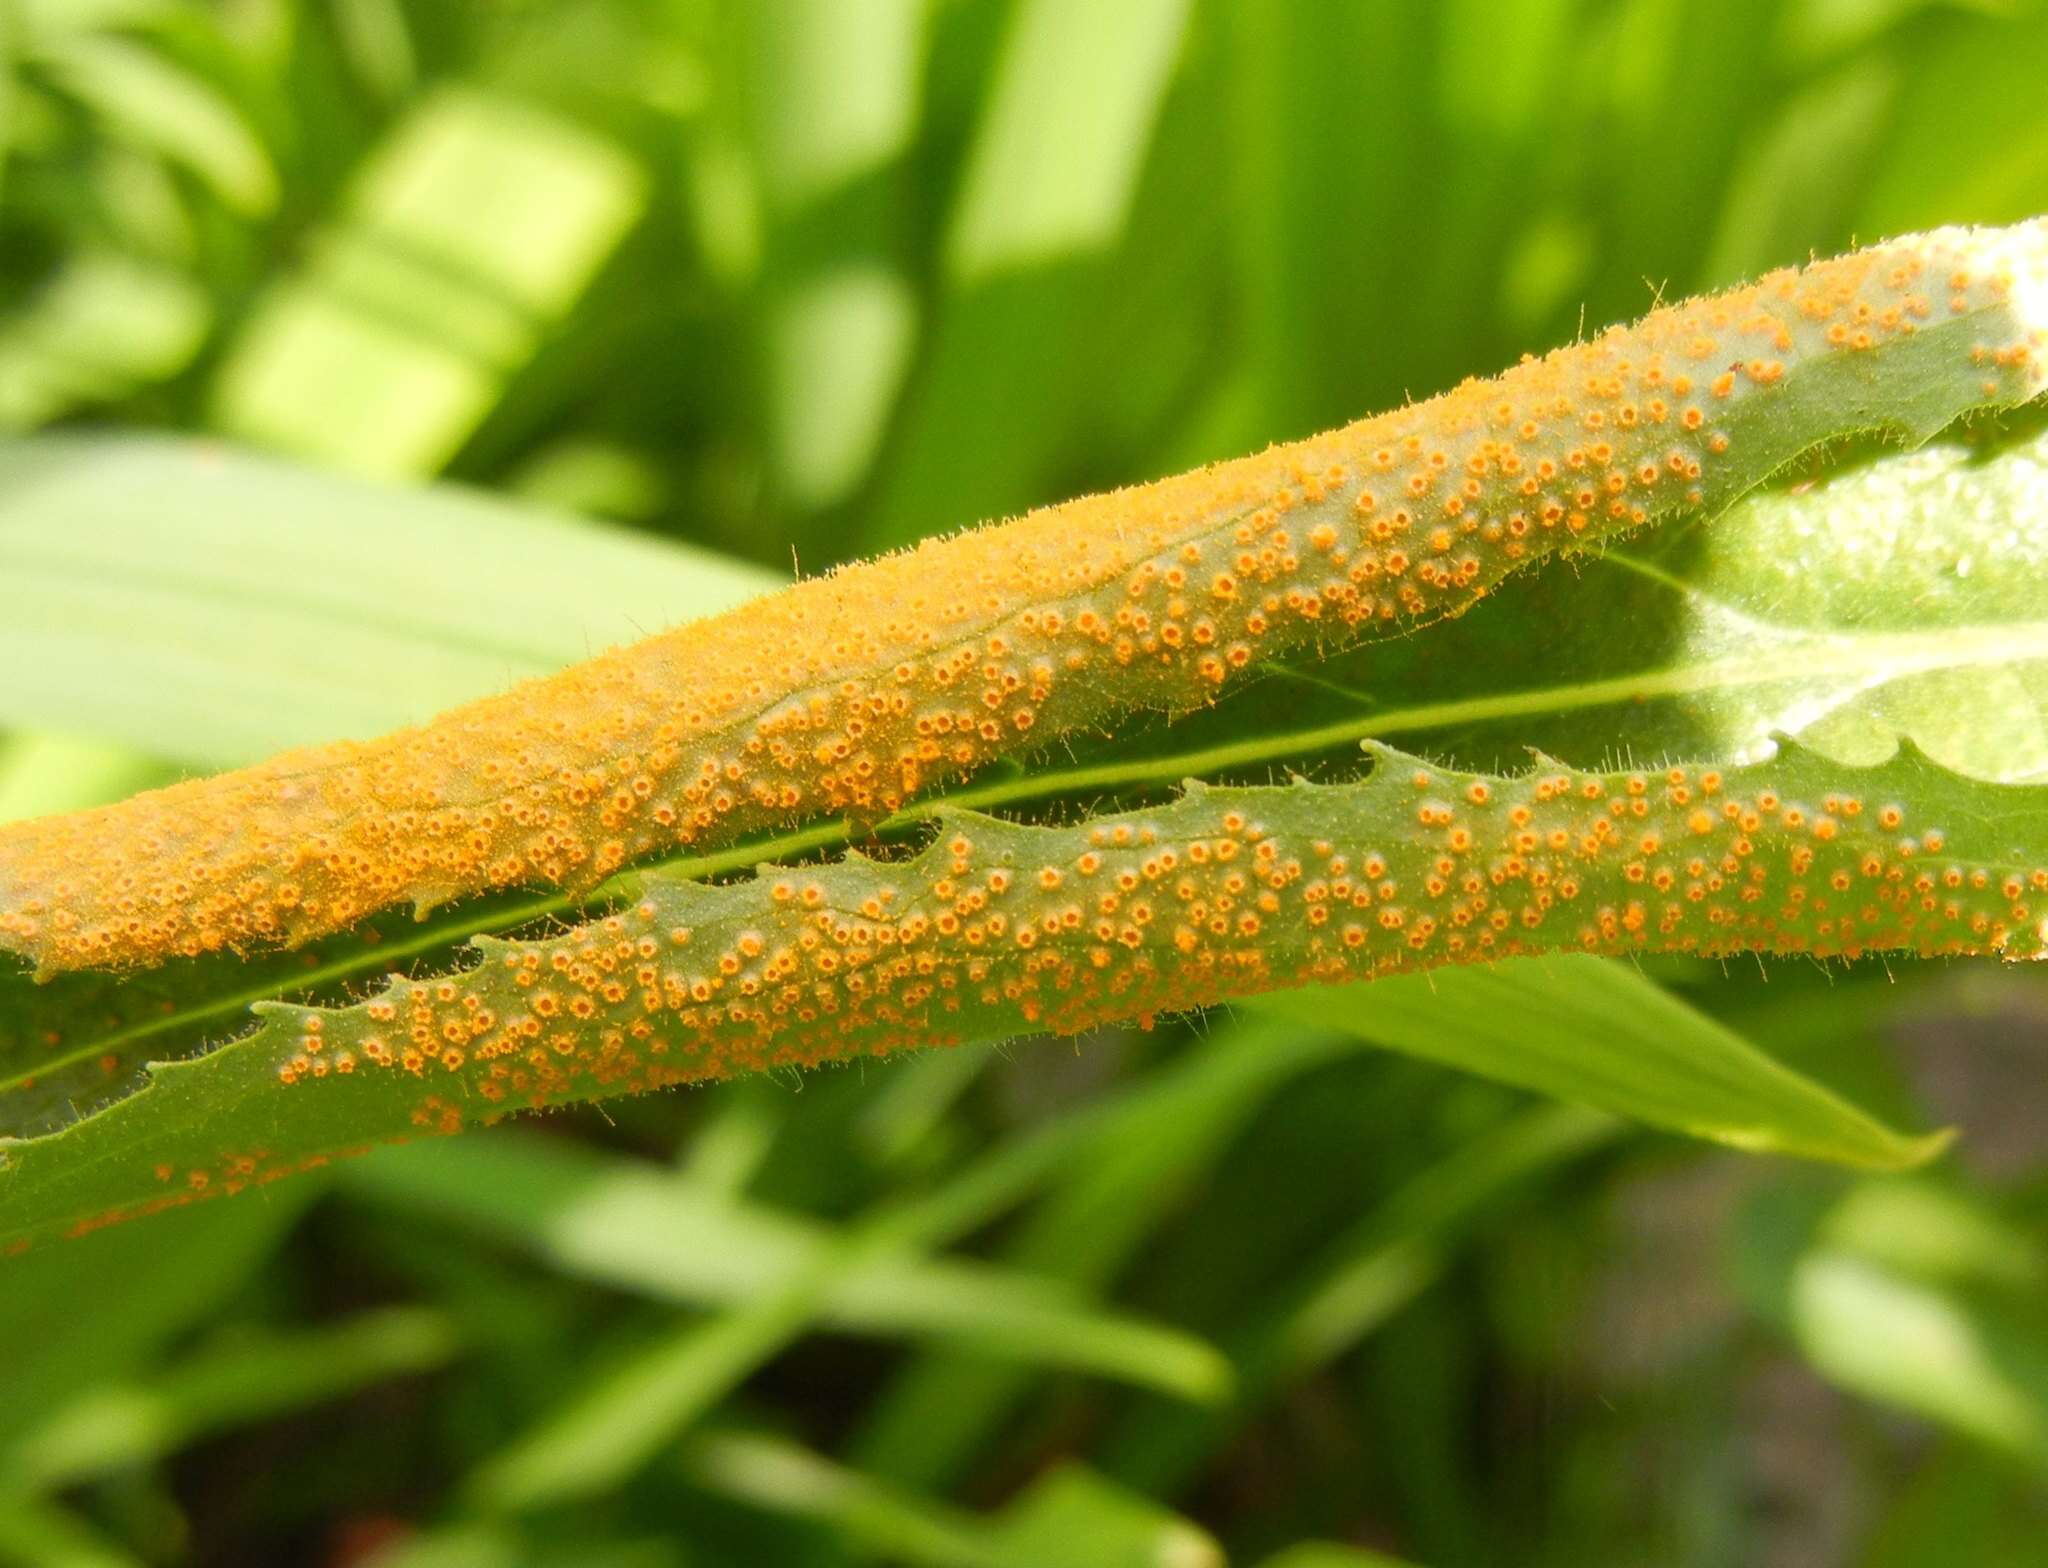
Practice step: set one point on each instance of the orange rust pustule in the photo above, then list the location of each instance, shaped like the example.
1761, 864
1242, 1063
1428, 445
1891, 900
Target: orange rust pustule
855, 692
999, 929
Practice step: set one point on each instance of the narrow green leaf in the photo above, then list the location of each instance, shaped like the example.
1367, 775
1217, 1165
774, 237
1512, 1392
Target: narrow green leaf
144, 96
1075, 1516
783, 1477
1156, 1142
1595, 1032
462, 242
1319, 1554
227, 1385
1387, 1258
265, 603
997, 929
646, 1231
102, 1307
1911, 1295
1056, 157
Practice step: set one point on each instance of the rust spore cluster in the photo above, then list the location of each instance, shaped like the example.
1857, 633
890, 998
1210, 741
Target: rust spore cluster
998, 928
855, 692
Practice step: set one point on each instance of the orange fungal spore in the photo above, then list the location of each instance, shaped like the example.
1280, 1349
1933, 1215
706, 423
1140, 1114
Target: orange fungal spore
1000, 929
855, 692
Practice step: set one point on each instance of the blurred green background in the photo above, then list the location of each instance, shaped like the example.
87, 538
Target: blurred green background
796, 280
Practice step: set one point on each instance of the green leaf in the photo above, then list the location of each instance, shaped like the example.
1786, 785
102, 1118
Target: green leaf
1393, 1252
1073, 1515
1798, 854
268, 607
1317, 1554
234, 1383
831, 98
782, 1477
1595, 1032
603, 1432
99, 1308
1157, 1142
1051, 287
105, 324
461, 243
643, 1230
148, 99
1909, 1294
1908, 610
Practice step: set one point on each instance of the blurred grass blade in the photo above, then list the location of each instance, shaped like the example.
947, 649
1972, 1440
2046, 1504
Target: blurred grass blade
229, 1385
101, 1306
613, 1425
1081, 1519
261, 600
145, 97
101, 326
1395, 1251
1154, 1144
1051, 185
1594, 1031
644, 1230
1909, 1294
1071, 1516
783, 1477
1317, 1554
44, 1535
605, 1432
1056, 157
462, 242
831, 107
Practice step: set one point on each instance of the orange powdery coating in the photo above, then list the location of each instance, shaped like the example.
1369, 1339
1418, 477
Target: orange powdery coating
854, 692
999, 929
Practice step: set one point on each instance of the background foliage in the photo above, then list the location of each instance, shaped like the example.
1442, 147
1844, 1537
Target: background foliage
789, 281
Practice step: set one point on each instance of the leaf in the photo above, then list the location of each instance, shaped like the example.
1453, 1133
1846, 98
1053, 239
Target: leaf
830, 98
639, 1229
606, 1430
463, 239
1869, 634
998, 929
1384, 1260
1595, 1032
159, 105
783, 1477
191, 1007
232, 1384
101, 1308
862, 691
1907, 1294
265, 602
103, 325
1159, 1140
1071, 1515
1092, 78
1318, 1554
1074, 1515
1888, 622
